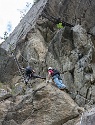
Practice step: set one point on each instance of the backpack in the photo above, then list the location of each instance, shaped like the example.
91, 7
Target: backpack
55, 71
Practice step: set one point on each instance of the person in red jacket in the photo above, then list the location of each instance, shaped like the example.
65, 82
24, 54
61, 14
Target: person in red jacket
56, 78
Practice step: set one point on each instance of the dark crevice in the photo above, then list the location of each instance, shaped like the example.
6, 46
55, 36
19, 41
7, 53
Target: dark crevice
86, 95
72, 73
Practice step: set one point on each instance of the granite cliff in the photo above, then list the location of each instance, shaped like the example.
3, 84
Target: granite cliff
38, 42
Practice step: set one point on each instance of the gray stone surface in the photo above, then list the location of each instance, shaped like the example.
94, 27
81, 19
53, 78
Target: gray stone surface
68, 49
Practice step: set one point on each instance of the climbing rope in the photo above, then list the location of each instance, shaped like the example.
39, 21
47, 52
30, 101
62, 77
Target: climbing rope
25, 59
18, 65
11, 51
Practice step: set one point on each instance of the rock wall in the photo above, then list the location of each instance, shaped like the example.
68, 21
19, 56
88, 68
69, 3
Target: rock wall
69, 49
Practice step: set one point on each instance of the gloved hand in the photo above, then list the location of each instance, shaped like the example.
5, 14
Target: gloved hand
47, 81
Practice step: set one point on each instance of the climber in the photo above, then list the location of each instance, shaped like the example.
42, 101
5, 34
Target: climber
30, 73
56, 78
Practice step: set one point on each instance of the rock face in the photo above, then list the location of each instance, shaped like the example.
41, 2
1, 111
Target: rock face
37, 40
75, 11
90, 115
48, 106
